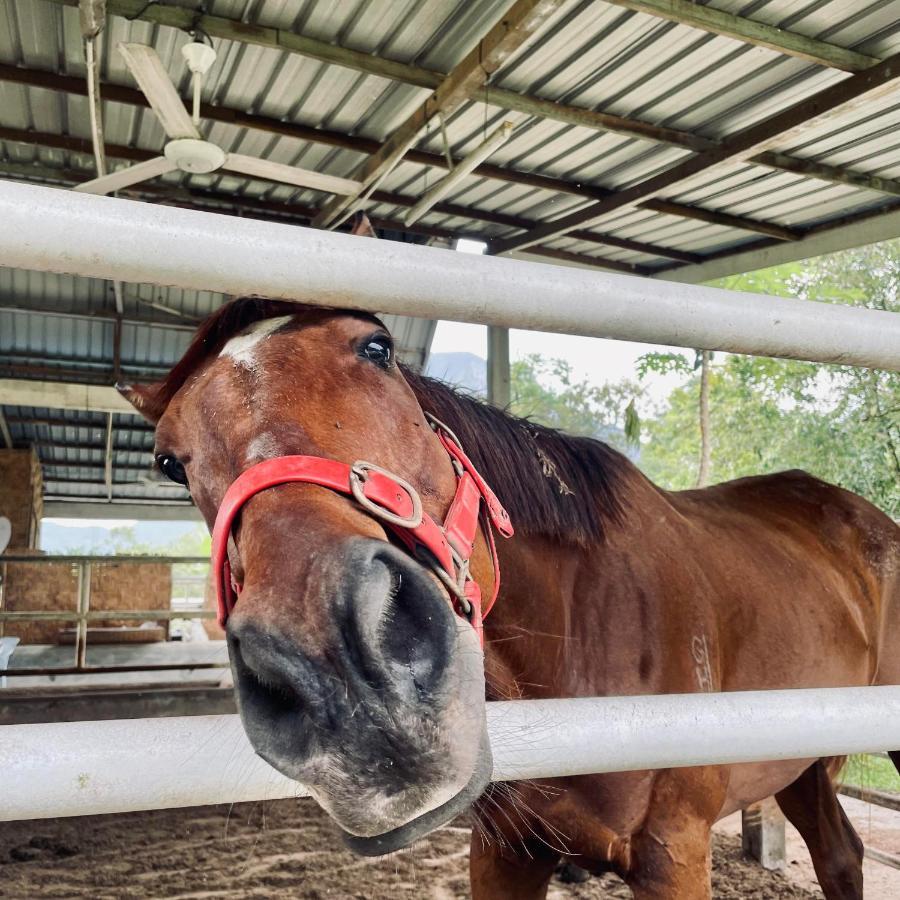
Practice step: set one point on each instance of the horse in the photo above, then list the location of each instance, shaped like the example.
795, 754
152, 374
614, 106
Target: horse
362, 665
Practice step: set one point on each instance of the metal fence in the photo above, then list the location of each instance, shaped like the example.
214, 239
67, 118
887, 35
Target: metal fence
82, 614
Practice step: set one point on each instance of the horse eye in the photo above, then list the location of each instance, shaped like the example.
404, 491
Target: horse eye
172, 468
379, 350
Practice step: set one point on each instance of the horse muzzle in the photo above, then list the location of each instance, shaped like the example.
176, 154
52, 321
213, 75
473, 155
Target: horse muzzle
383, 717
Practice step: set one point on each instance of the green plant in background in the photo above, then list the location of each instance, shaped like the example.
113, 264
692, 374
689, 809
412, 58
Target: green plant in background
547, 391
873, 772
839, 423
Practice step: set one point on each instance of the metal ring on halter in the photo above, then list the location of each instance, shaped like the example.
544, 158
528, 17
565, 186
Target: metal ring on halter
359, 473
437, 424
456, 588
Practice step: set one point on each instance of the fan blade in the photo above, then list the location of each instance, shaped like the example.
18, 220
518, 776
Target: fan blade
122, 178
154, 81
273, 171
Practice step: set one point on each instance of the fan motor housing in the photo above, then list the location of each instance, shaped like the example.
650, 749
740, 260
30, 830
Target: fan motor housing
192, 155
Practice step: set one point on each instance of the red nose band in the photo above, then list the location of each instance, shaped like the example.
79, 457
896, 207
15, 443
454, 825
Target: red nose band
445, 549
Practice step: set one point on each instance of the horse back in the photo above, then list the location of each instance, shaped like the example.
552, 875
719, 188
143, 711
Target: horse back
802, 581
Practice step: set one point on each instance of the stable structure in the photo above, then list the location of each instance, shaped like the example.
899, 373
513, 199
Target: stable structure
670, 139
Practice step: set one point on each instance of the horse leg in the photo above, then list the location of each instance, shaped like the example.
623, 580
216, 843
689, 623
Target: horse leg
672, 864
811, 805
502, 873
895, 759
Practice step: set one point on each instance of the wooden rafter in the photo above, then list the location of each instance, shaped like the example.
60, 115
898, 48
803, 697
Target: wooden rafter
518, 25
715, 21
592, 119
783, 126
854, 230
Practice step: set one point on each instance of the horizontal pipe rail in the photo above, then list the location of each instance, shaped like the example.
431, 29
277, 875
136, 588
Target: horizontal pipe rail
54, 230
119, 766
107, 560
887, 859
25, 672
50, 615
870, 795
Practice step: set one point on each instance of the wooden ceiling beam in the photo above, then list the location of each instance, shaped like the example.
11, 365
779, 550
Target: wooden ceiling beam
749, 31
518, 25
843, 97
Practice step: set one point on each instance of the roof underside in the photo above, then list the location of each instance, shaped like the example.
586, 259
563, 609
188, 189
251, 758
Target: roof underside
688, 88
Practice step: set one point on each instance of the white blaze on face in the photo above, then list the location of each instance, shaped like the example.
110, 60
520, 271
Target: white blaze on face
242, 347
263, 446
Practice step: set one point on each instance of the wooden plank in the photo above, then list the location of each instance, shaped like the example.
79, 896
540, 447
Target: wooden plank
4, 432
840, 98
521, 21
762, 834
760, 34
869, 795
62, 395
715, 217
836, 175
855, 230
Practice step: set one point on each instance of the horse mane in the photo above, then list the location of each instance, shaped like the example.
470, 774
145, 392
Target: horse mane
551, 483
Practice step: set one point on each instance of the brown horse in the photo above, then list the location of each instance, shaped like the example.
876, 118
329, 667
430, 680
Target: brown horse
354, 676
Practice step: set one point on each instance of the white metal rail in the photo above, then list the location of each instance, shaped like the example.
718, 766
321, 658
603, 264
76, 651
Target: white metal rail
117, 766
54, 230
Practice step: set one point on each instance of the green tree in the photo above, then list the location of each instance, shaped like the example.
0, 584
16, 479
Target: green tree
838, 422
547, 391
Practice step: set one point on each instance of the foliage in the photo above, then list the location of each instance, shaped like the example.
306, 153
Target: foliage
547, 391
872, 772
837, 422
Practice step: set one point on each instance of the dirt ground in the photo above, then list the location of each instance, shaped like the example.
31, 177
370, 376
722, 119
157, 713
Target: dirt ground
283, 849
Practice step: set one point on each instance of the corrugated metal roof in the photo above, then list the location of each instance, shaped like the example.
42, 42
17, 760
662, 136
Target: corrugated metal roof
590, 54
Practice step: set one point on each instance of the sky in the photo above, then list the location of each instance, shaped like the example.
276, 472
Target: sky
596, 359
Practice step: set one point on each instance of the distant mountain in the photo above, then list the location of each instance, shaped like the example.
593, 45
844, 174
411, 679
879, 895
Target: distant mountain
464, 370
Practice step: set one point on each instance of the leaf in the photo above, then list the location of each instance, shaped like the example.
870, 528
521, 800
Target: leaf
632, 425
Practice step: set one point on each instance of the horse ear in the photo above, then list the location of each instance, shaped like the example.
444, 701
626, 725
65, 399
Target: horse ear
362, 227
144, 398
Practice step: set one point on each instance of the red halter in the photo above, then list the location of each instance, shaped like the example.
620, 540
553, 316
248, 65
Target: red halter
446, 549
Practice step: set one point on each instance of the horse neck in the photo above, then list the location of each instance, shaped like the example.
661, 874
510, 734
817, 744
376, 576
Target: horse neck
571, 617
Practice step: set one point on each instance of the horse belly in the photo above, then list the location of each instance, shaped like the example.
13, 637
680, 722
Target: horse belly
751, 782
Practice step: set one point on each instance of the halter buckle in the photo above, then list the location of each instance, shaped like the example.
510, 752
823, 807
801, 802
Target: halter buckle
359, 474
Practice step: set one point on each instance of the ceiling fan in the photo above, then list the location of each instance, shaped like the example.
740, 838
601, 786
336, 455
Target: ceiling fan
186, 150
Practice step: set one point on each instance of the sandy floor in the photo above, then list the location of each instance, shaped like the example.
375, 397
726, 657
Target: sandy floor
283, 849
878, 827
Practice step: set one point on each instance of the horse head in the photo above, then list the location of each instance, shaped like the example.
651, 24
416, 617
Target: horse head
353, 673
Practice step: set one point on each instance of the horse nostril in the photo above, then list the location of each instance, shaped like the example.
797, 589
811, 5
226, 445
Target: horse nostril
417, 629
262, 688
